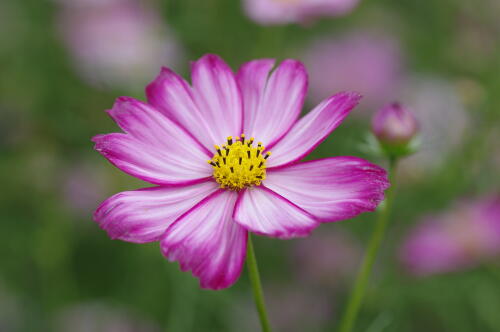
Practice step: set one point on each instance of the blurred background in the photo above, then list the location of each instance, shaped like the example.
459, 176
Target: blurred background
63, 62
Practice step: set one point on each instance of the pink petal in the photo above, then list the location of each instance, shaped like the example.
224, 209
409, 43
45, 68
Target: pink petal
168, 166
252, 79
218, 97
331, 189
208, 242
173, 96
265, 212
271, 105
313, 128
143, 215
148, 125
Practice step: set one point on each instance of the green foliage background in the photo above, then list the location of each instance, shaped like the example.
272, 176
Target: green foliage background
51, 259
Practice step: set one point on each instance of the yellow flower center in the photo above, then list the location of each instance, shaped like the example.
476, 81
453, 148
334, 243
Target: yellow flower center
238, 164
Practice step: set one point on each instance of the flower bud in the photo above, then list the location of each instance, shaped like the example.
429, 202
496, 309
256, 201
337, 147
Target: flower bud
394, 126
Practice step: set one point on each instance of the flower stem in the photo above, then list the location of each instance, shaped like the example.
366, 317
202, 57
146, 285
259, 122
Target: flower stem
361, 281
253, 272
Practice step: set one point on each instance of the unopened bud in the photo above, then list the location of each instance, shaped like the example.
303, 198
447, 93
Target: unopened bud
394, 125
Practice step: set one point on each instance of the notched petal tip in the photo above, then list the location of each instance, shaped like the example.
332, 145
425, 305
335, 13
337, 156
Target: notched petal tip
350, 96
164, 76
295, 68
293, 63
165, 70
211, 61
125, 99
98, 139
256, 66
332, 189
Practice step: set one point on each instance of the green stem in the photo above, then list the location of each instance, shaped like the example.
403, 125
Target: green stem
361, 281
253, 272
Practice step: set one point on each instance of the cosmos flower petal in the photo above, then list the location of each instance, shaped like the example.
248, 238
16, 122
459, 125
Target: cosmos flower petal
272, 105
252, 79
208, 242
143, 215
148, 125
218, 97
331, 189
312, 129
173, 96
148, 163
264, 212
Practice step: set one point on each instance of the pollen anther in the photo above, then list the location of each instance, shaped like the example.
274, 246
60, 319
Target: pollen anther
241, 165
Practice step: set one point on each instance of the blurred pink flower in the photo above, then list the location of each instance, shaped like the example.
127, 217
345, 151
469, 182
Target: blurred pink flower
201, 212
116, 43
364, 61
464, 236
269, 12
101, 317
340, 255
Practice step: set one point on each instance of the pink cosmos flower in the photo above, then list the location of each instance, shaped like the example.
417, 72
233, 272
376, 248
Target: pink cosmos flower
269, 12
466, 235
201, 212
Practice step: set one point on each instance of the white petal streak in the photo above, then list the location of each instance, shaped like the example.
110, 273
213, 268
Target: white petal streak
208, 242
265, 212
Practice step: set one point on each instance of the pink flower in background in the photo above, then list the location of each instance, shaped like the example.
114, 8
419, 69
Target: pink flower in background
464, 236
337, 263
363, 61
201, 212
116, 43
269, 12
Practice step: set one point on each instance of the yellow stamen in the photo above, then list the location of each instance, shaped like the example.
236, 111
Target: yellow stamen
239, 165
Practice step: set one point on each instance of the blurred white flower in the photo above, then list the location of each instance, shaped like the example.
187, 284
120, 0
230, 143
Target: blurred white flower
443, 122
